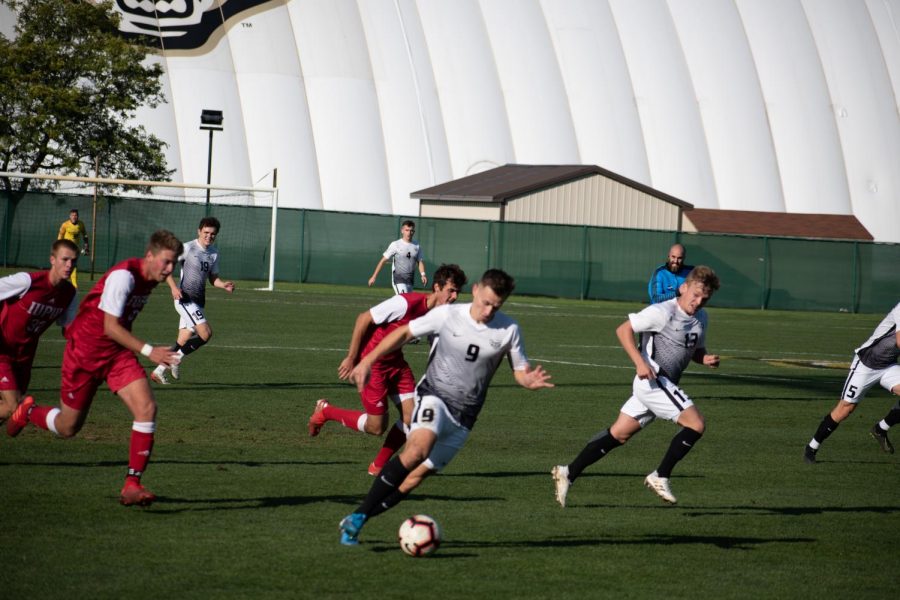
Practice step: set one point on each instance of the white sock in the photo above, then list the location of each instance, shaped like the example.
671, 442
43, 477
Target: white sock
51, 420
882, 425
814, 444
361, 423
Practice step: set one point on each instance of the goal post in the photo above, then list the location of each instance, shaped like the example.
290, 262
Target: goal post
28, 221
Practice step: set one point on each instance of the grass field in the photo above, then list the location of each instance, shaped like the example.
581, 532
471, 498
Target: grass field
249, 504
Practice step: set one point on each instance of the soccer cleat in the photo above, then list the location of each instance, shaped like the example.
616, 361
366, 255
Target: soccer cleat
375, 470
317, 419
350, 526
809, 455
134, 494
175, 370
19, 419
660, 486
159, 375
881, 437
560, 475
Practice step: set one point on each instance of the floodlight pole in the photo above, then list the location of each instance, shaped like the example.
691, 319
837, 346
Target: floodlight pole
210, 120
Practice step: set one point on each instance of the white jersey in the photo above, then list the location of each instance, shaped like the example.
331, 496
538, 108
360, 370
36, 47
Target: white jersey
406, 256
197, 264
669, 336
464, 357
880, 350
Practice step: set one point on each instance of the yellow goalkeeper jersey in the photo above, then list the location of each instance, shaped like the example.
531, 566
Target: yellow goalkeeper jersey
76, 233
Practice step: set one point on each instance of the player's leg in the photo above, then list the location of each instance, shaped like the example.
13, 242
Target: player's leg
373, 419
10, 388
858, 382
9, 400
401, 391
692, 427
128, 381
890, 381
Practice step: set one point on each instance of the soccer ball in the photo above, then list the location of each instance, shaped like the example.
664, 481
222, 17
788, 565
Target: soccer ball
419, 535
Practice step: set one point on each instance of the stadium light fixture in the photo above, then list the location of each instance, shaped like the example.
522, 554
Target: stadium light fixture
210, 120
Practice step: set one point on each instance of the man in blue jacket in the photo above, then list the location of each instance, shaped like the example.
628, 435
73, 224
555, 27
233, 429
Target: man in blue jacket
668, 276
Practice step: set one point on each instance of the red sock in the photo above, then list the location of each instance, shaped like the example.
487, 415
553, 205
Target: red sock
138, 454
348, 418
394, 440
38, 416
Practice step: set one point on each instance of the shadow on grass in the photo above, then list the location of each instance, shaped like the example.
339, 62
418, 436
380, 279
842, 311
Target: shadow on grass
546, 473
737, 510
120, 463
724, 542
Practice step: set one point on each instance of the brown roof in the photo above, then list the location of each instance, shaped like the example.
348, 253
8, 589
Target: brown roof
509, 181
845, 227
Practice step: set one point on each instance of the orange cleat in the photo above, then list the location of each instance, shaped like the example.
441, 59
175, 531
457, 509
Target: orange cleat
317, 420
19, 419
375, 470
134, 494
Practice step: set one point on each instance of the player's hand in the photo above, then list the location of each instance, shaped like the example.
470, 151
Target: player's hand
360, 375
346, 367
371, 281
536, 378
424, 278
229, 286
645, 371
176, 293
163, 355
711, 360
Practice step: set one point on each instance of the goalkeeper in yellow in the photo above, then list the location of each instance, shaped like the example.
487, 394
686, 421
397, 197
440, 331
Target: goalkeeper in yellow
74, 230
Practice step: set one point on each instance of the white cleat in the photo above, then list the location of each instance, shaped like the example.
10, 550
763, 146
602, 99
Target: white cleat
560, 475
175, 371
159, 375
660, 486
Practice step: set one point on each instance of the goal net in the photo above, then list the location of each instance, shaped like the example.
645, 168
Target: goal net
120, 215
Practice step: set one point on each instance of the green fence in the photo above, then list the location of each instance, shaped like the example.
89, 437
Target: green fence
552, 260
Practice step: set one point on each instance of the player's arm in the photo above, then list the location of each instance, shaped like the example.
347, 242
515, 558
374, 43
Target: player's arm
62, 232
14, 285
393, 341
117, 333
533, 379
218, 282
173, 287
363, 322
380, 264
701, 357
422, 273
625, 333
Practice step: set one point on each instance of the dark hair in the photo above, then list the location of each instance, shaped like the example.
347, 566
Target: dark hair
408, 222
165, 240
446, 273
209, 222
705, 276
501, 282
69, 244
73, 210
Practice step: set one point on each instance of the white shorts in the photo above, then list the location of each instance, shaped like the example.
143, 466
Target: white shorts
402, 288
191, 314
862, 378
431, 413
655, 398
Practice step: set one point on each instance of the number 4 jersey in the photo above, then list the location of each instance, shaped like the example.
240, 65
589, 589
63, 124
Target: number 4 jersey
669, 336
464, 357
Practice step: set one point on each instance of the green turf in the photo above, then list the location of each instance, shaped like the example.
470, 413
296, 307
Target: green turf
249, 503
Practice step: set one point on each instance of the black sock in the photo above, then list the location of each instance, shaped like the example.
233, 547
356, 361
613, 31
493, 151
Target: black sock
391, 501
681, 444
893, 416
597, 448
826, 428
385, 485
192, 344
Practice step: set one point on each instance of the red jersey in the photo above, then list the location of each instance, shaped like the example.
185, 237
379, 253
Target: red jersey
121, 292
391, 314
28, 306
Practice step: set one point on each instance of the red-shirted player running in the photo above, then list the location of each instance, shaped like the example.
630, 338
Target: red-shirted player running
101, 347
391, 375
29, 304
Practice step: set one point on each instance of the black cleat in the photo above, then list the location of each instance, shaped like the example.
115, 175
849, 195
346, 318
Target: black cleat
881, 437
809, 455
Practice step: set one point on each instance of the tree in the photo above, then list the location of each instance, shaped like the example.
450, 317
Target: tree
69, 85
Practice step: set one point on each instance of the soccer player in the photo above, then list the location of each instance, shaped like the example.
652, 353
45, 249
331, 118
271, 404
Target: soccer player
199, 263
100, 346
472, 340
668, 277
405, 254
29, 304
391, 375
74, 230
672, 334
873, 362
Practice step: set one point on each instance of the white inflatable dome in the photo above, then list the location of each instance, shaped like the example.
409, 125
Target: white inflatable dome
771, 105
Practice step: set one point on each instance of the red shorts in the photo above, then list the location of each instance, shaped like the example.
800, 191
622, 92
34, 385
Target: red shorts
395, 379
81, 375
15, 373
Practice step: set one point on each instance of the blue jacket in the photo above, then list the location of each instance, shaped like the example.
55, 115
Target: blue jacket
664, 283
